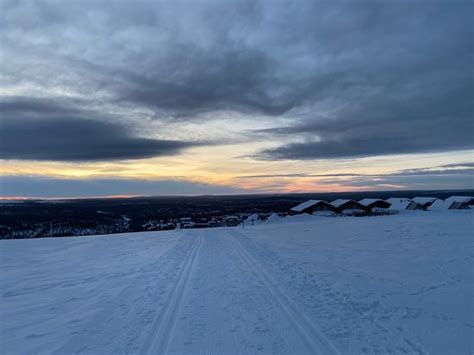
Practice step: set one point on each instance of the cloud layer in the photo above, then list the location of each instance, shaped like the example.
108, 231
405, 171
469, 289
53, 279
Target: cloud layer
42, 130
42, 186
337, 79
447, 176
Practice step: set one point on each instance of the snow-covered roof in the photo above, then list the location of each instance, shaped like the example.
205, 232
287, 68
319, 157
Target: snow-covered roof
399, 203
423, 200
440, 205
368, 201
305, 205
465, 199
340, 201
393, 200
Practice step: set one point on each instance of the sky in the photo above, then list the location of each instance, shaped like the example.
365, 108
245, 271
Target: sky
107, 98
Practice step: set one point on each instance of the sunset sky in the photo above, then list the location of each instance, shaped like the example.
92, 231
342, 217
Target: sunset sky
106, 98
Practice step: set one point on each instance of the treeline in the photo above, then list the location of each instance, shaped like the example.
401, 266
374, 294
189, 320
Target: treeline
41, 230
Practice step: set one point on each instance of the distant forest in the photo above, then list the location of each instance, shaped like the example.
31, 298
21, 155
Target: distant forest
75, 217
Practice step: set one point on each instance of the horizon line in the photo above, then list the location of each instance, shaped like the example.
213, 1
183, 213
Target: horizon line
30, 198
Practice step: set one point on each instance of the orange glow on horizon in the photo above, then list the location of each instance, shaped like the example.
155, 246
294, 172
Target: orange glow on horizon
229, 168
22, 198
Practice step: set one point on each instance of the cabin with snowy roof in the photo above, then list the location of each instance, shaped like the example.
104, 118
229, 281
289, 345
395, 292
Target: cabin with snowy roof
375, 205
450, 204
312, 206
439, 205
403, 203
456, 202
349, 207
425, 202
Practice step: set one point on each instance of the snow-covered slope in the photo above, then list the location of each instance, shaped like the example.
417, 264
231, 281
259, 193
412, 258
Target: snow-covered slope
400, 283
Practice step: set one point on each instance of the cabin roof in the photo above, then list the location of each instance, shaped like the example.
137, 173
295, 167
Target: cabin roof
466, 199
398, 199
399, 203
340, 201
424, 200
440, 205
368, 201
306, 204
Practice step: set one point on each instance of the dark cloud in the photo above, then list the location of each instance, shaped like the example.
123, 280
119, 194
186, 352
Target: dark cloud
423, 181
459, 165
33, 129
459, 169
431, 119
350, 79
232, 80
463, 168
42, 186
447, 176
430, 178
32, 106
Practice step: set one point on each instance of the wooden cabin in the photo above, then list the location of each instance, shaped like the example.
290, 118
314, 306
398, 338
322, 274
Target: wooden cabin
375, 205
460, 202
349, 207
403, 203
425, 202
312, 206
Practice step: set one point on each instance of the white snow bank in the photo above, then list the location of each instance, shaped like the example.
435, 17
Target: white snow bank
273, 218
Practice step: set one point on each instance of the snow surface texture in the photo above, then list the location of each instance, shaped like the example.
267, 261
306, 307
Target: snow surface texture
305, 284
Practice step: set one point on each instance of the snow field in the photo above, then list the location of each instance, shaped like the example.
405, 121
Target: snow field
391, 284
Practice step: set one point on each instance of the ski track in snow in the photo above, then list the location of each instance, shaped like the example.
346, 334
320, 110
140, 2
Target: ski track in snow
400, 284
317, 343
163, 328
400, 341
132, 308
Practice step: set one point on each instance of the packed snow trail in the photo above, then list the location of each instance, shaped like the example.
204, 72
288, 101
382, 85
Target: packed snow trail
397, 284
164, 326
317, 343
231, 307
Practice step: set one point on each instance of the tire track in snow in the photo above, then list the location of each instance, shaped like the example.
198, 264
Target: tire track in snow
311, 334
164, 326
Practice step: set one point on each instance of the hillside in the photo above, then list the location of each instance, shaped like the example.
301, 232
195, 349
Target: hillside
400, 283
